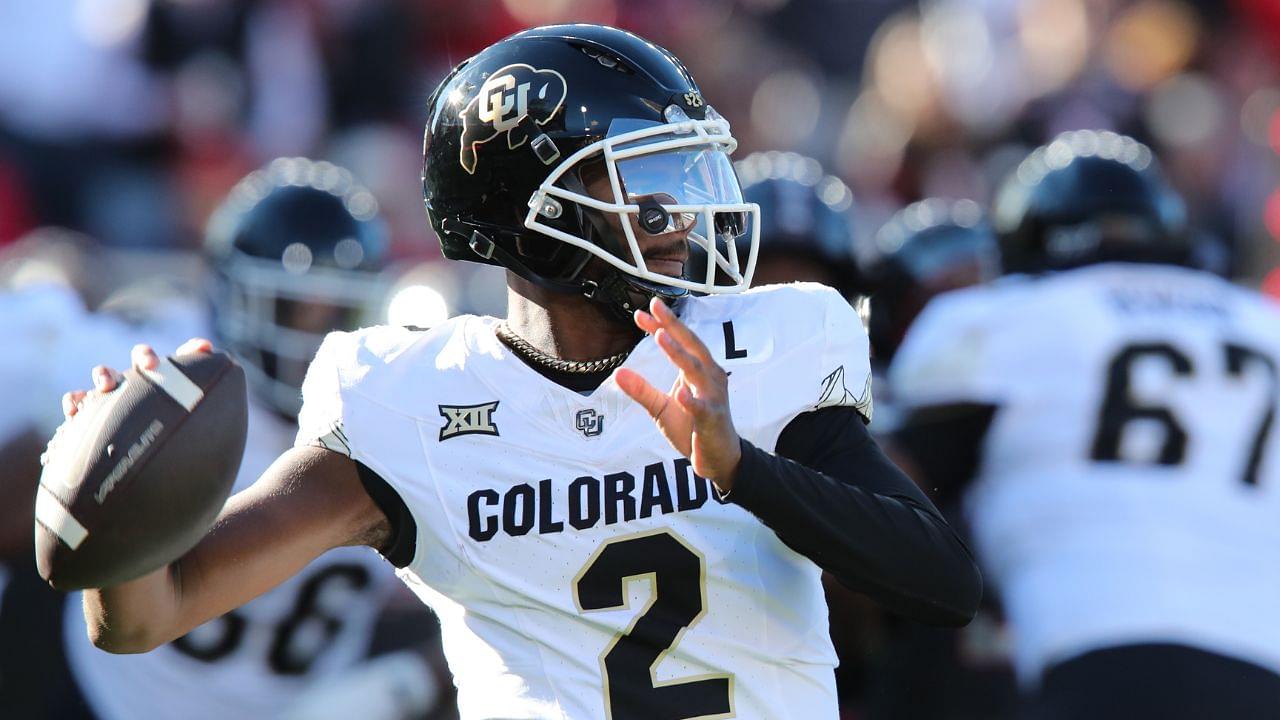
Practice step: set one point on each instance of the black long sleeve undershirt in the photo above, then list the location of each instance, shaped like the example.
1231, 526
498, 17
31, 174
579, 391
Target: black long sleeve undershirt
833, 496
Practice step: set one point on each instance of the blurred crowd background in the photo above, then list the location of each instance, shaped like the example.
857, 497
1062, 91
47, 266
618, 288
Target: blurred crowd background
123, 124
126, 121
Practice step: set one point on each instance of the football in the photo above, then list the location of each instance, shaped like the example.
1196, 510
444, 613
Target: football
136, 478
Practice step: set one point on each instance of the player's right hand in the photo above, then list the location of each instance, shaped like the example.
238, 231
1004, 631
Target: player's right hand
106, 379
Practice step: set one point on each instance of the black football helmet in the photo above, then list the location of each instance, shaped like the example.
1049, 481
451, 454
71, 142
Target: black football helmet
557, 145
1089, 196
296, 249
804, 213
927, 248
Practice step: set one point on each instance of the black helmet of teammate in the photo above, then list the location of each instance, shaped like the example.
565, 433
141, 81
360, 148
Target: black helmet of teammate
804, 214
296, 250
927, 248
557, 145
1089, 196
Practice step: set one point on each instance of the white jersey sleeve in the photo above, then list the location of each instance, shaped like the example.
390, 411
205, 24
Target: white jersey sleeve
348, 407
952, 354
330, 391
320, 420
844, 359
819, 357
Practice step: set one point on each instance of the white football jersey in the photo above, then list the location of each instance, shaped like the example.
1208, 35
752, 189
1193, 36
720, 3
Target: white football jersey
47, 332
255, 661
1129, 485
579, 567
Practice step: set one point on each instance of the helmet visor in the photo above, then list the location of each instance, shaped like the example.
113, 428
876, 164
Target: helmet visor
661, 191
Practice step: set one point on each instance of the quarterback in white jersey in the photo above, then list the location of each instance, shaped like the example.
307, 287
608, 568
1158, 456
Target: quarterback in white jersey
1111, 429
595, 547
552, 527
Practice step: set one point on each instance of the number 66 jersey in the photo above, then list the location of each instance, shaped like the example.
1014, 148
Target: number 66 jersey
255, 661
1128, 485
579, 567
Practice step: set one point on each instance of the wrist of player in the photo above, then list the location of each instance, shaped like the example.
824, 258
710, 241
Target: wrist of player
726, 469
718, 461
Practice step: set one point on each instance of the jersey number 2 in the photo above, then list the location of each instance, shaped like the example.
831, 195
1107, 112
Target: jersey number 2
678, 590
1119, 407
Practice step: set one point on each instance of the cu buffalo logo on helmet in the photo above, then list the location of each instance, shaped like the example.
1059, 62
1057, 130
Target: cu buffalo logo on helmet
505, 99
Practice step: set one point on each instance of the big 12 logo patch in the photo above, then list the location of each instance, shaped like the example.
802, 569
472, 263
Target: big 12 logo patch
506, 98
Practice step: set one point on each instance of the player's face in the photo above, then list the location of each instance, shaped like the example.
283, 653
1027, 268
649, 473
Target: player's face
665, 253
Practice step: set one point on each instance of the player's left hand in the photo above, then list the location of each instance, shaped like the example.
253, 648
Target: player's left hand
694, 414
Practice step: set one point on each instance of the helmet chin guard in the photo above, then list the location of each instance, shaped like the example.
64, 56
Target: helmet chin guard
671, 177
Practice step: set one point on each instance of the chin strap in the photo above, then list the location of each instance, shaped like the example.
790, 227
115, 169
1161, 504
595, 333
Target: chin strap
623, 294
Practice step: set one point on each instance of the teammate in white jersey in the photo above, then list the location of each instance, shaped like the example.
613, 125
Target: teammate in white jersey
926, 249
50, 337
1108, 415
594, 546
295, 252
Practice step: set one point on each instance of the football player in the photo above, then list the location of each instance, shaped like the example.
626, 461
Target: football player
49, 333
296, 251
1107, 411
594, 546
926, 249
806, 225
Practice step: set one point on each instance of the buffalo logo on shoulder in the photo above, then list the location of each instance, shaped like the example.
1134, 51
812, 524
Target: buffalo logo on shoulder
505, 99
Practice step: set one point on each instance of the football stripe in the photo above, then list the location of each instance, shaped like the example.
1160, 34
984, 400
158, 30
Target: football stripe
177, 385
51, 514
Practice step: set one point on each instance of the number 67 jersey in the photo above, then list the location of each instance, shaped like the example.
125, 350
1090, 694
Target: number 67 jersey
1128, 486
579, 567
